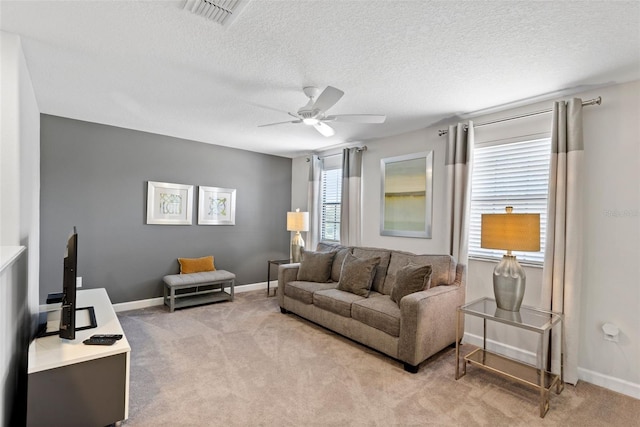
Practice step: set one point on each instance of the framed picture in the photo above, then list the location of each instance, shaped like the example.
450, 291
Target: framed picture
169, 204
407, 195
216, 206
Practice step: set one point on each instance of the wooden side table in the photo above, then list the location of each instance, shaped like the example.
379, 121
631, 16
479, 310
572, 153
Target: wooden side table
529, 319
269, 264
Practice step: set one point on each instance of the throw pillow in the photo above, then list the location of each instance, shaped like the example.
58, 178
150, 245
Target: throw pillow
409, 279
315, 266
357, 274
336, 268
196, 265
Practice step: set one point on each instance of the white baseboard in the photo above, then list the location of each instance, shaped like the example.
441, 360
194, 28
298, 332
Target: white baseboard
135, 305
152, 302
615, 384
254, 287
611, 383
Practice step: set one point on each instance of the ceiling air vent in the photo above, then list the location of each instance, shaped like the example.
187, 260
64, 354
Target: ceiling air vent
224, 12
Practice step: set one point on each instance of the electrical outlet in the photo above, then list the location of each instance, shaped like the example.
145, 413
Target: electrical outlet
613, 338
78, 282
611, 332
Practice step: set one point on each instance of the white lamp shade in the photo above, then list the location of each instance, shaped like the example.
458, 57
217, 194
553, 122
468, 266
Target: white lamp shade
297, 221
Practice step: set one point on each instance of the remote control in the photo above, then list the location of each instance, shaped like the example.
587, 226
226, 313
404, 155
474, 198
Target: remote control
99, 341
108, 336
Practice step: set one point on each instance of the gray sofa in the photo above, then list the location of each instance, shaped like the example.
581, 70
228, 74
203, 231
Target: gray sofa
411, 329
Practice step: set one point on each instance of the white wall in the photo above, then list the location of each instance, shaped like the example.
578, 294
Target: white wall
20, 160
19, 217
611, 290
299, 183
20, 167
10, 133
413, 142
421, 140
611, 238
299, 187
612, 227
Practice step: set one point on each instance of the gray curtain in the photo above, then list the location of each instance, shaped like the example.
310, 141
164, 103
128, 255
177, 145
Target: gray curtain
351, 202
458, 163
562, 272
314, 202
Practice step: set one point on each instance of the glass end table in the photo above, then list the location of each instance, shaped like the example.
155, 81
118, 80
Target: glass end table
528, 318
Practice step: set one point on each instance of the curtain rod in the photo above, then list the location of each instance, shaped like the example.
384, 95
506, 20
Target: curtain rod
594, 101
363, 148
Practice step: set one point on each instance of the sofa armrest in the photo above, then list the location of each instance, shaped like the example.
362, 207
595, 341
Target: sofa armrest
428, 321
286, 273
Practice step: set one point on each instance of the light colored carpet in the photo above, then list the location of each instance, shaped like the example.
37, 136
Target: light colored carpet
243, 363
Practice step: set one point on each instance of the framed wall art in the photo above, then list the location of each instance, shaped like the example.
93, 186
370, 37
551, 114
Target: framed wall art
407, 195
216, 206
169, 204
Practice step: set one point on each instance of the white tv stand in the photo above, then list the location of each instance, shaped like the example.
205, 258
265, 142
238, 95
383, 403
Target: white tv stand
74, 384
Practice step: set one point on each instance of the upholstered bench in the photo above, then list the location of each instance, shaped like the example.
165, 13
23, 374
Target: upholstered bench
186, 290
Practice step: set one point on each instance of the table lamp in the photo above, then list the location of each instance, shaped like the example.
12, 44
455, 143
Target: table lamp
297, 221
510, 232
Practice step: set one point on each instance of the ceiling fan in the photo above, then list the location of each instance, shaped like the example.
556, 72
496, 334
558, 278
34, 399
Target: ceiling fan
314, 112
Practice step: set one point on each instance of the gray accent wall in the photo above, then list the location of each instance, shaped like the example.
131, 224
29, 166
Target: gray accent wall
95, 177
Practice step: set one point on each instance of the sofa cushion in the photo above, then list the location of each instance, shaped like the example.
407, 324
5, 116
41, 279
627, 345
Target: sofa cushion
200, 278
411, 278
303, 291
335, 301
315, 266
378, 311
357, 274
381, 269
443, 268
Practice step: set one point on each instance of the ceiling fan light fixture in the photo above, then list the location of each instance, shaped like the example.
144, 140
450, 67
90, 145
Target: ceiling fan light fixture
314, 112
324, 129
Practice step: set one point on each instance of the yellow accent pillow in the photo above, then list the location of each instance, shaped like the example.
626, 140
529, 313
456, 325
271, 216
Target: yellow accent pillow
196, 265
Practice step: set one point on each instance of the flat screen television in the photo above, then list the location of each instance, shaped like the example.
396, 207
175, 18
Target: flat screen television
68, 311
68, 314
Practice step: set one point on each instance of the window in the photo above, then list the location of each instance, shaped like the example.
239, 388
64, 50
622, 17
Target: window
509, 174
331, 193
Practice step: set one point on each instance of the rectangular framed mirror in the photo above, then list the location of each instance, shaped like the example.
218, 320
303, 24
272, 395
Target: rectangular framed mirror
407, 195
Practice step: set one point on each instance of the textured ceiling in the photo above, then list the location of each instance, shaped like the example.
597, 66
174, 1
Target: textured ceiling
155, 67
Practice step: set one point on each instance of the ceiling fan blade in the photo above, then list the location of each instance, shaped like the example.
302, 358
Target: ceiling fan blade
356, 118
327, 98
324, 129
280, 123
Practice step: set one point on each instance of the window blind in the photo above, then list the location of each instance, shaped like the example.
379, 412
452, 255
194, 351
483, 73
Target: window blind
331, 195
510, 174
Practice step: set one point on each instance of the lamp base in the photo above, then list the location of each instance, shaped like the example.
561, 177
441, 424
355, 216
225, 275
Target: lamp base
509, 281
513, 316
297, 244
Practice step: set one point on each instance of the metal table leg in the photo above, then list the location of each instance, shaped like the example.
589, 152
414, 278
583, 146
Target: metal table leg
544, 397
458, 314
268, 277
